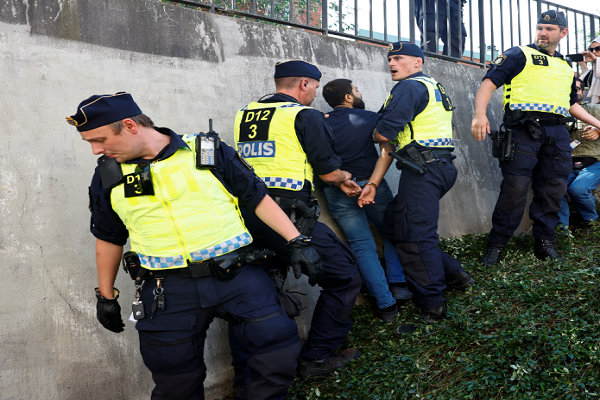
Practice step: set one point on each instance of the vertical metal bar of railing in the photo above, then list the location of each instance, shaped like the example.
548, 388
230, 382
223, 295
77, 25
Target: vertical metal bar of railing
272, 8
385, 20
371, 19
448, 44
471, 28
519, 21
340, 17
593, 26
398, 12
323, 12
212, 6
530, 27
459, 24
411, 23
502, 25
492, 27
424, 36
356, 17
539, 9
254, 7
568, 36
436, 25
510, 10
481, 32
324, 16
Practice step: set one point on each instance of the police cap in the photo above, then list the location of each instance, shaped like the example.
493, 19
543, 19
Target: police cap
297, 68
405, 49
553, 17
100, 110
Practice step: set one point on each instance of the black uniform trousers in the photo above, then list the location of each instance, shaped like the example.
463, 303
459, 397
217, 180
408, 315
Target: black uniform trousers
546, 163
341, 283
455, 45
411, 222
172, 340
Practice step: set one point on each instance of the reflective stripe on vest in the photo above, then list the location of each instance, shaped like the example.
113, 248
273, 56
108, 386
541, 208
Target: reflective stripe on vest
433, 126
191, 215
265, 136
543, 85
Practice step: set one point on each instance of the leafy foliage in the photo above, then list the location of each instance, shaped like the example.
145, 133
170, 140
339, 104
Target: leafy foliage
526, 330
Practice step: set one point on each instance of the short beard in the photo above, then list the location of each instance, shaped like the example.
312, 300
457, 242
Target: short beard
357, 102
549, 45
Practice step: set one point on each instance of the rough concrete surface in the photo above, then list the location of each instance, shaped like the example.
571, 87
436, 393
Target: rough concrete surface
183, 67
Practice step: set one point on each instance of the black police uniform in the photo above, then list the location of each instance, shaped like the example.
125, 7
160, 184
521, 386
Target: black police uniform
411, 219
456, 42
545, 161
341, 282
172, 340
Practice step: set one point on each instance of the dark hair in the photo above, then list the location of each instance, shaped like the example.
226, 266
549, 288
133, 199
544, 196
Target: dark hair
140, 119
336, 90
579, 80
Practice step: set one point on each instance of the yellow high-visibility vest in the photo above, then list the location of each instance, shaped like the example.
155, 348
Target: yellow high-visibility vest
544, 84
433, 126
265, 136
191, 215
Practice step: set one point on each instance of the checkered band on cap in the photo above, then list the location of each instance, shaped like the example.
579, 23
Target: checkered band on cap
539, 107
227, 246
222, 248
282, 183
442, 142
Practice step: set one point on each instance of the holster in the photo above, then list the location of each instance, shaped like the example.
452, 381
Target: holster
503, 146
303, 215
415, 160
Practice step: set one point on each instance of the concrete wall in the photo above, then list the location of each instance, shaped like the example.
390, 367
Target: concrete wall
183, 67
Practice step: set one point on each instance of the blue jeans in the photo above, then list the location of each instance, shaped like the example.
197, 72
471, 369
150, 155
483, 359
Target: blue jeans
580, 185
354, 222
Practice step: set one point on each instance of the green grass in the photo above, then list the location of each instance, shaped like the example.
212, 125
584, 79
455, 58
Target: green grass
526, 330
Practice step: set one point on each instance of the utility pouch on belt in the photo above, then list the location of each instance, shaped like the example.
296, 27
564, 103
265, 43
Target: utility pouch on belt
131, 264
291, 302
503, 147
223, 267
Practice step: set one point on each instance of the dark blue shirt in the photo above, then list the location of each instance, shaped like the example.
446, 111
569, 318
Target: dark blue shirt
409, 99
510, 64
230, 171
316, 139
353, 130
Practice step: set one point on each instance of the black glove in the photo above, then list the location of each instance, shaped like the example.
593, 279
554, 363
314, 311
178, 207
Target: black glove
305, 259
108, 312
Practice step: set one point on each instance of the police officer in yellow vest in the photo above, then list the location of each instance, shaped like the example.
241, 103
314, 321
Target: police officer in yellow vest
182, 217
286, 142
539, 97
416, 123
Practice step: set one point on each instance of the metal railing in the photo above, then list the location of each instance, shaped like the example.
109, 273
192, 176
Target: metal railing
490, 26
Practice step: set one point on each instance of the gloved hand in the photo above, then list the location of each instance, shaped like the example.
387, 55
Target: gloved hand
305, 259
108, 312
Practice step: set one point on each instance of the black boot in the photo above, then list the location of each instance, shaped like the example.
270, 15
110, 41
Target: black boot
435, 314
459, 282
493, 254
545, 248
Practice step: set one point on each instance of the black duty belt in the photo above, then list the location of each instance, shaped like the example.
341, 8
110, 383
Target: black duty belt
193, 270
429, 154
550, 121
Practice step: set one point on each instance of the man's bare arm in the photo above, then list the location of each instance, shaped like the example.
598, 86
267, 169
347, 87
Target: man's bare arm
481, 125
108, 258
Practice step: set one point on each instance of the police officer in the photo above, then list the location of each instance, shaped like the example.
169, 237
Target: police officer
539, 97
285, 141
183, 222
453, 47
416, 123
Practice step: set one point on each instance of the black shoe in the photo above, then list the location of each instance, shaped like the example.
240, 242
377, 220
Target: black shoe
389, 314
435, 314
459, 282
493, 254
328, 365
545, 248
